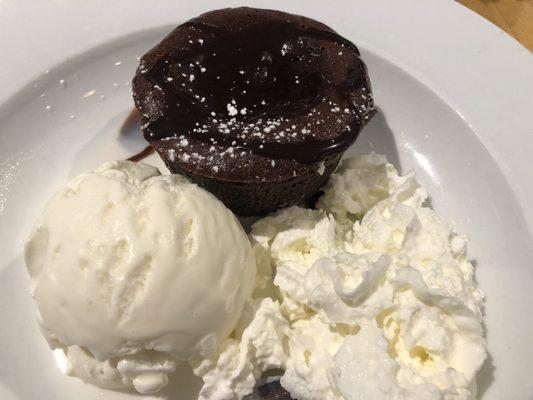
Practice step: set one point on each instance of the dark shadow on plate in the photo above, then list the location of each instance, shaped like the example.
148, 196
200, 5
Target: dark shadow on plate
377, 137
131, 125
247, 222
428, 202
183, 385
109, 143
485, 376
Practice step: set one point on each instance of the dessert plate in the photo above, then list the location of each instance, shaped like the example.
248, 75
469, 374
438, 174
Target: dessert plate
455, 96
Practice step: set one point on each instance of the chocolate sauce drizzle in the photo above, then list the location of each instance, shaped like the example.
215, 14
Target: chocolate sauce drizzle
292, 71
273, 391
131, 124
148, 150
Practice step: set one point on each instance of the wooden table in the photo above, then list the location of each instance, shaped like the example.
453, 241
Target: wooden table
513, 16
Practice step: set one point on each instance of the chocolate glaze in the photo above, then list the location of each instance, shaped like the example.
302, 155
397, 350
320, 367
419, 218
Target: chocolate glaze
141, 155
288, 73
273, 391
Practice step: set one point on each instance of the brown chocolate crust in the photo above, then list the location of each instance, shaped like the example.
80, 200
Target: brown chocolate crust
259, 198
249, 103
273, 391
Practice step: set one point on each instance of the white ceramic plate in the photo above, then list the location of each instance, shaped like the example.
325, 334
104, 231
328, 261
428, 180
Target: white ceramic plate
456, 96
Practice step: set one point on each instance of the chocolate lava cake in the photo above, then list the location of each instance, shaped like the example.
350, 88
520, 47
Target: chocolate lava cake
256, 106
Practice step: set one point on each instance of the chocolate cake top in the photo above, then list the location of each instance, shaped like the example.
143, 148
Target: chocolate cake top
248, 94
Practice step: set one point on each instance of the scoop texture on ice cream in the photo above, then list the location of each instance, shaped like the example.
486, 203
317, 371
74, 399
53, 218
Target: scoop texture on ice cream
132, 271
373, 298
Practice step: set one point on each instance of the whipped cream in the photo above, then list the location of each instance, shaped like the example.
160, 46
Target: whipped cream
233, 372
133, 271
374, 298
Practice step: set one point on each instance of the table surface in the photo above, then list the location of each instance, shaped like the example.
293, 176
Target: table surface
513, 16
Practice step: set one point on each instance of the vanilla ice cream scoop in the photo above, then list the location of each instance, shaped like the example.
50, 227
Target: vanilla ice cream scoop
133, 271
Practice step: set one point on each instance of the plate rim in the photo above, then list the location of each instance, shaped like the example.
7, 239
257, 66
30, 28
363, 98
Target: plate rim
488, 135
